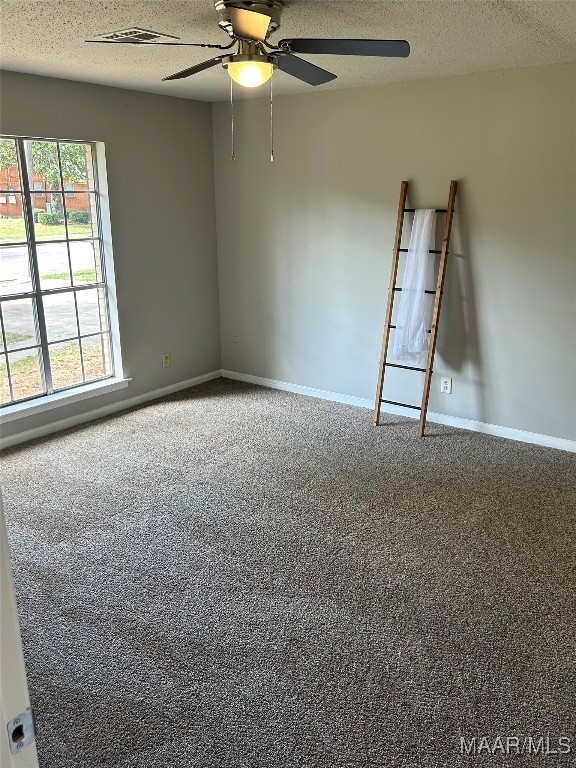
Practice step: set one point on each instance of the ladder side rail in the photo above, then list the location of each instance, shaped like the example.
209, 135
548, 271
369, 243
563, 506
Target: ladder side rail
390, 304
437, 306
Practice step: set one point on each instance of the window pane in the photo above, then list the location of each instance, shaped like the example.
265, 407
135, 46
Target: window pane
65, 364
49, 217
4, 386
63, 220
77, 166
25, 373
14, 270
96, 358
60, 315
19, 324
91, 311
42, 162
81, 214
9, 173
12, 228
85, 258
53, 265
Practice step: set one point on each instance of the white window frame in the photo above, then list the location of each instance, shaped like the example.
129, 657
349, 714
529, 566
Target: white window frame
116, 380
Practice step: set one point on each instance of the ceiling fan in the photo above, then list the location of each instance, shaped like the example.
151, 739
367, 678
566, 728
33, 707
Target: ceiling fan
250, 23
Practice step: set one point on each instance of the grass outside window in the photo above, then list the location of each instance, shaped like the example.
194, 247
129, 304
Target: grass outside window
11, 230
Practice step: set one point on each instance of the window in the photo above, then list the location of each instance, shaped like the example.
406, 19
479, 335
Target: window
54, 314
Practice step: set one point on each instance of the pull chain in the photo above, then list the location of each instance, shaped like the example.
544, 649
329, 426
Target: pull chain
232, 115
271, 119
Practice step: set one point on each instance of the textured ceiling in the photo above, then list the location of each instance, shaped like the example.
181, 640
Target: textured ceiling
447, 37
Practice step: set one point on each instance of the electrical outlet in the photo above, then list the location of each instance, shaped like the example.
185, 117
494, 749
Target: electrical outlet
446, 385
236, 341
165, 359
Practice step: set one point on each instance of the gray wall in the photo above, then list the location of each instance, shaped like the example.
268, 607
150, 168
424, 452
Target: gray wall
161, 185
304, 245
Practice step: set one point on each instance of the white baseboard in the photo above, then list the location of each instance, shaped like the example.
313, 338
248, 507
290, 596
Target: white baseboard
299, 389
436, 418
98, 413
360, 402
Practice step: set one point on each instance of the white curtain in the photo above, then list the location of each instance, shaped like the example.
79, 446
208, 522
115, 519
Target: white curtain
415, 310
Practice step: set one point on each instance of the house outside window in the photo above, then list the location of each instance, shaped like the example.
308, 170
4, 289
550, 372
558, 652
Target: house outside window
58, 327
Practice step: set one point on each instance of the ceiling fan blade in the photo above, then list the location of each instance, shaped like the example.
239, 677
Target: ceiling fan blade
348, 47
139, 42
249, 24
193, 70
303, 70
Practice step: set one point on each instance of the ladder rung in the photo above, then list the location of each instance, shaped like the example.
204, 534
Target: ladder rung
393, 326
407, 367
405, 250
432, 292
404, 405
436, 210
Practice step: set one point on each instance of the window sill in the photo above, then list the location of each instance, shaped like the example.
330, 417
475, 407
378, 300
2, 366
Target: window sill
46, 403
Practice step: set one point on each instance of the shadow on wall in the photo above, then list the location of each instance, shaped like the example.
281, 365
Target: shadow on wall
459, 343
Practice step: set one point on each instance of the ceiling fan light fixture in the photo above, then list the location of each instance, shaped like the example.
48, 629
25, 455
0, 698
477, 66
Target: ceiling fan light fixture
250, 71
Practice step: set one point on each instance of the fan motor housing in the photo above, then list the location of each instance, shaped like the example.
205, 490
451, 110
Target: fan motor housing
271, 8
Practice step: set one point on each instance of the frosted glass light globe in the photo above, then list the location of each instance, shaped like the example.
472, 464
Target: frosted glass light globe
250, 74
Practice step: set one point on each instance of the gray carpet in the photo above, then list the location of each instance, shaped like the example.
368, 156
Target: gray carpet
235, 577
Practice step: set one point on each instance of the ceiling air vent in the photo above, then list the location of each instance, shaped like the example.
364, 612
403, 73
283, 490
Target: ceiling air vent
135, 35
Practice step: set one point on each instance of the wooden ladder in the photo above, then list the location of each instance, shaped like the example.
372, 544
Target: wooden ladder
402, 210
